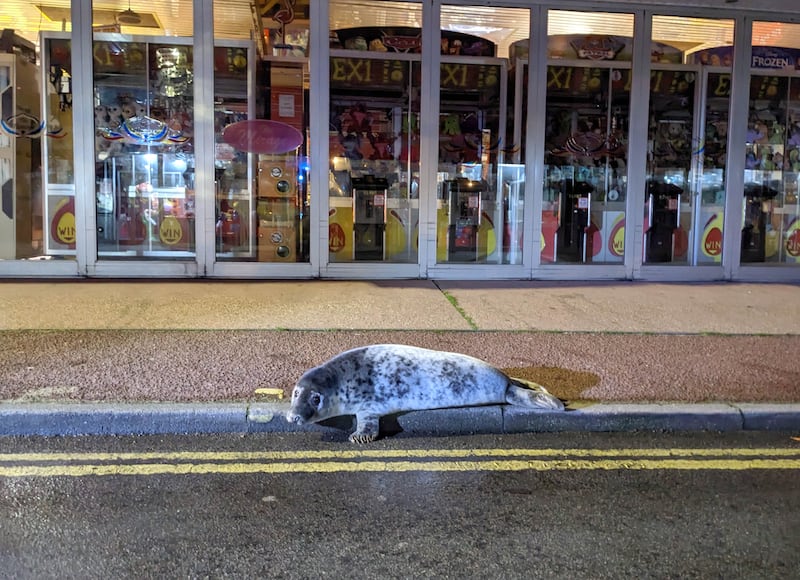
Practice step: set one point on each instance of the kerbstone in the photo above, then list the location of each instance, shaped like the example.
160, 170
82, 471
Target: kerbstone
770, 417
618, 417
49, 419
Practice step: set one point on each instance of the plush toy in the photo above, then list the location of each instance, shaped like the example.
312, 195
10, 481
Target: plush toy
767, 163
757, 132
100, 117
114, 116
777, 134
794, 134
381, 146
352, 146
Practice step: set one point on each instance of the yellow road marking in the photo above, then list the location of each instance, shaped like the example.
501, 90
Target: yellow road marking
389, 453
393, 466
277, 393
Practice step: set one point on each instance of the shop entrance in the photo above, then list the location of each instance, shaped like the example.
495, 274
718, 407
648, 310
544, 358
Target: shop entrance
686, 158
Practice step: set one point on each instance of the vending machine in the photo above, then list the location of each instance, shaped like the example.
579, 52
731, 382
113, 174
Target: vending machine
369, 217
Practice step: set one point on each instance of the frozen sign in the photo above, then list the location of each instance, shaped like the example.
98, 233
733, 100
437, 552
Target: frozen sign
774, 61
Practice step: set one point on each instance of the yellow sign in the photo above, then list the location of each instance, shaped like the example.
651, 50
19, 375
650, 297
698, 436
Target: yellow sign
487, 238
170, 231
442, 217
712, 238
793, 241
616, 241
62, 225
340, 234
65, 228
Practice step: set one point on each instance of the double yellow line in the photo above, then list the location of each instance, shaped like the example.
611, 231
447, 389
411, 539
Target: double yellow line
391, 461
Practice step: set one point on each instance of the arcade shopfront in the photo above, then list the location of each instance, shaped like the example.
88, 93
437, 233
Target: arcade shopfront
400, 139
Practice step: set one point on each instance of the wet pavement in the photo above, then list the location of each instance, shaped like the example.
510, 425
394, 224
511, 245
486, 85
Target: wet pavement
728, 308
124, 342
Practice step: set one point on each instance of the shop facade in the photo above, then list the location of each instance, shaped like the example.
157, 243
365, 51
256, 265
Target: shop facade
400, 139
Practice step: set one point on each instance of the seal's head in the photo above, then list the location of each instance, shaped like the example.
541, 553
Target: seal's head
311, 397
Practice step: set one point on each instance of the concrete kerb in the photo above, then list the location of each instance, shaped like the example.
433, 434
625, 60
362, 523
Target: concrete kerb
55, 419
66, 419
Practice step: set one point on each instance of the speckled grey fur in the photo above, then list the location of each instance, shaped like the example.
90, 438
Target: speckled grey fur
382, 379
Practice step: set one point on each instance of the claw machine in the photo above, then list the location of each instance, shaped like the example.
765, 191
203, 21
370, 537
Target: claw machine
473, 197
586, 172
144, 146
143, 149
374, 147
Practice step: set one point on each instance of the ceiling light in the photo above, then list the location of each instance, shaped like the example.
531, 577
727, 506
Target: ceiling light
129, 16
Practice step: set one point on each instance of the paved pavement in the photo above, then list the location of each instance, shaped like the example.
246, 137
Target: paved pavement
187, 356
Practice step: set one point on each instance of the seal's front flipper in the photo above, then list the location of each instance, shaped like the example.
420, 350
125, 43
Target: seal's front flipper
366, 428
530, 394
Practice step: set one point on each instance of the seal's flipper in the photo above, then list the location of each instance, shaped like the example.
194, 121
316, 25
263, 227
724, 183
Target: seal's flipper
530, 394
366, 428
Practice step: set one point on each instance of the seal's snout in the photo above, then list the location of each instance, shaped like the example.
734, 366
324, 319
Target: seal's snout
294, 418
555, 404
544, 400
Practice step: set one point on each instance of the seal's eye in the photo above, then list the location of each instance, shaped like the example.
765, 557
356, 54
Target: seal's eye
315, 399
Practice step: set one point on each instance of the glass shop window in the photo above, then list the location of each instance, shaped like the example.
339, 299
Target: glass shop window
373, 183
261, 125
37, 221
144, 144
687, 140
770, 208
586, 137
481, 172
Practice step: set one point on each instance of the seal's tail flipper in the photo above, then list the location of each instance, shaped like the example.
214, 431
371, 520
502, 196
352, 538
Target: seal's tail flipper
530, 394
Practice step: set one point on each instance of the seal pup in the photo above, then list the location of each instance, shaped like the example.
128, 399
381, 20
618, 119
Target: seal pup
382, 379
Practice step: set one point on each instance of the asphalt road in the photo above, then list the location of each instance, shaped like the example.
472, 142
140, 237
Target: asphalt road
298, 506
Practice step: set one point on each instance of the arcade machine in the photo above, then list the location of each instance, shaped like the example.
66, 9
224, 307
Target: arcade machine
572, 231
664, 207
758, 203
369, 217
464, 199
277, 208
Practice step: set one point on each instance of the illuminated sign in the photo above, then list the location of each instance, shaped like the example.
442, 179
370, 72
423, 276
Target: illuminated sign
578, 79
372, 72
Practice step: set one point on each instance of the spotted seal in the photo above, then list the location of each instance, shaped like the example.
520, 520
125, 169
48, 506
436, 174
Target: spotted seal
381, 379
